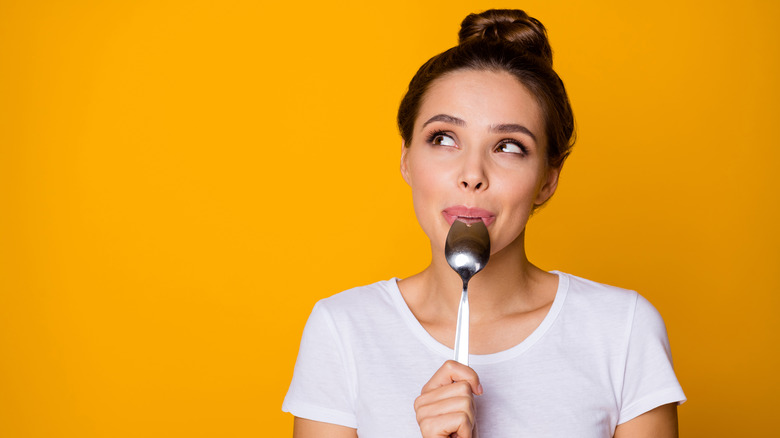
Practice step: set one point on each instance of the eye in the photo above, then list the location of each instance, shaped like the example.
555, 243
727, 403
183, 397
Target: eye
442, 139
512, 147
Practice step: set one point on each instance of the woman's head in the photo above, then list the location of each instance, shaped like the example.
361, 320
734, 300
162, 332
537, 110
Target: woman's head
478, 154
501, 41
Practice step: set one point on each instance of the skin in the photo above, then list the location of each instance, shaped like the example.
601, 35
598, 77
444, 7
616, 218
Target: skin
479, 141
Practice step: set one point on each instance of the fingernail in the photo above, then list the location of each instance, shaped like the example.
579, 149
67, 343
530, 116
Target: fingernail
479, 389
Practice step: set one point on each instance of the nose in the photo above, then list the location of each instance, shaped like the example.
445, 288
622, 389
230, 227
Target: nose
473, 175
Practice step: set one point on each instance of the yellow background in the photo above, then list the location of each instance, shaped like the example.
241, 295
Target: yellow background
180, 181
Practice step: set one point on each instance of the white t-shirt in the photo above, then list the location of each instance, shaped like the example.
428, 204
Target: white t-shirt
599, 358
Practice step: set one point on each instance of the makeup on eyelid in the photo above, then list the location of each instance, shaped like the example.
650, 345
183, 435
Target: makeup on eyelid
433, 139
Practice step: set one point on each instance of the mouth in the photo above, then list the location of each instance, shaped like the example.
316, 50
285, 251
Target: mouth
468, 215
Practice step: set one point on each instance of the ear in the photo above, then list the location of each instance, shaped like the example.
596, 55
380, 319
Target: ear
548, 186
404, 163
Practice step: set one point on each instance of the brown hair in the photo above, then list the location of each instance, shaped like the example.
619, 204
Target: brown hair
501, 40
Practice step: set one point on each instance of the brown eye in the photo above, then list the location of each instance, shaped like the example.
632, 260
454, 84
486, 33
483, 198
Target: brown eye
512, 148
443, 140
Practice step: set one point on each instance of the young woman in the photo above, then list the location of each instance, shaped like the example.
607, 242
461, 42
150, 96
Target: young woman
486, 127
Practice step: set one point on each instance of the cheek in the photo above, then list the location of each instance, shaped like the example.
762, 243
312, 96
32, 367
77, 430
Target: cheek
517, 196
429, 196
426, 190
427, 178
518, 186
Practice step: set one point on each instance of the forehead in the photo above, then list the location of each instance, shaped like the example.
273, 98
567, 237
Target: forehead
481, 98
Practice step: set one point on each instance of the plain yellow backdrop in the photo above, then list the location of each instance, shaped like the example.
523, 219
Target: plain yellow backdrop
180, 181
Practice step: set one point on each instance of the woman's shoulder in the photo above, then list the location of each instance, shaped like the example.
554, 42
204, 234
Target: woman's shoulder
607, 302
593, 291
369, 298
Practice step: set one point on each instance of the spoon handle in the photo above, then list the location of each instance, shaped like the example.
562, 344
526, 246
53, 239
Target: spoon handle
462, 329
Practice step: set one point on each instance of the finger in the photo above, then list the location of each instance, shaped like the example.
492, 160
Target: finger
456, 423
445, 406
452, 371
453, 390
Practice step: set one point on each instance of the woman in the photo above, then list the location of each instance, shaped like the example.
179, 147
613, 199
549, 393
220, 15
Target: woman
486, 127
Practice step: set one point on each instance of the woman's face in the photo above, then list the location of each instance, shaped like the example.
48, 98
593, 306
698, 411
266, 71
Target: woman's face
478, 153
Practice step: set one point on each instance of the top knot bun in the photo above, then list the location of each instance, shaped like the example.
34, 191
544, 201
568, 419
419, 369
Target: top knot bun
510, 26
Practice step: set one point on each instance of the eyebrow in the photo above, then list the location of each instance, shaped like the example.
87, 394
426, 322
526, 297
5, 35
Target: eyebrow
446, 119
504, 128
507, 128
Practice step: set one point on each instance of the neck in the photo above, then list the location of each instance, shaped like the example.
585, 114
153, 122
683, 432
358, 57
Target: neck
505, 285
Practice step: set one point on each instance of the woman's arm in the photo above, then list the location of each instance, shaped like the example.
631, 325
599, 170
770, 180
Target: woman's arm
304, 428
660, 422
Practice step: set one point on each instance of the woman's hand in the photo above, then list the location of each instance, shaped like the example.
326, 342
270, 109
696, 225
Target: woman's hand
446, 407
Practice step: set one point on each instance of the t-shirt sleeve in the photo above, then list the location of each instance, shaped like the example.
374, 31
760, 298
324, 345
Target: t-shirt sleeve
321, 389
649, 379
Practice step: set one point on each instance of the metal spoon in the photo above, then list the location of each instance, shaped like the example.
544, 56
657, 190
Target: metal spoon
467, 250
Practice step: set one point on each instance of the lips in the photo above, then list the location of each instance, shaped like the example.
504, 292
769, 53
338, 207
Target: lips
468, 215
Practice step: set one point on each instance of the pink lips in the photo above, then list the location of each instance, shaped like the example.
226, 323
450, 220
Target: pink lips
468, 215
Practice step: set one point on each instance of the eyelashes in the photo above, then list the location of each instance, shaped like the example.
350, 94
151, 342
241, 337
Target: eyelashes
440, 138
507, 145
512, 146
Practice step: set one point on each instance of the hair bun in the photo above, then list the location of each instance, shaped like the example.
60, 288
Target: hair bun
511, 26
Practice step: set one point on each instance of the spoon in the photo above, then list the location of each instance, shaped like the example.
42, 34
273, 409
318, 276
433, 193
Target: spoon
467, 250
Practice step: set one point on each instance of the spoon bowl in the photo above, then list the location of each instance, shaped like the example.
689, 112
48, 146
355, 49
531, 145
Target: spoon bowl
467, 248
